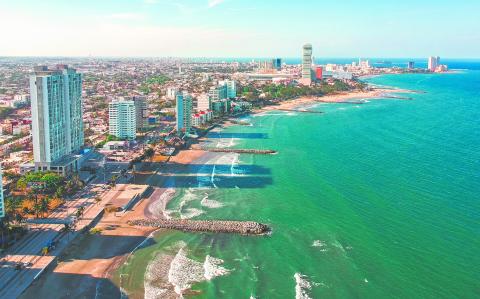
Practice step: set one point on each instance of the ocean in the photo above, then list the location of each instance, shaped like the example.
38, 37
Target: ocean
377, 200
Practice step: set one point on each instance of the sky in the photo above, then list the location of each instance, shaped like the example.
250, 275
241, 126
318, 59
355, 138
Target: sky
240, 28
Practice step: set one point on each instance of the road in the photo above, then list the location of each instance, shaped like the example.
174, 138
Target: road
27, 250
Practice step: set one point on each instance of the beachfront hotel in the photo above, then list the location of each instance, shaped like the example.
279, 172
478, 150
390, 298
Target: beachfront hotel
122, 119
57, 124
183, 113
2, 203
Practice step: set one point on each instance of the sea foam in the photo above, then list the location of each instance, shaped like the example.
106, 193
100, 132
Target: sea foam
302, 286
185, 271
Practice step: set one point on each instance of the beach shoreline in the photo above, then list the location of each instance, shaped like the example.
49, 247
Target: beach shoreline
86, 256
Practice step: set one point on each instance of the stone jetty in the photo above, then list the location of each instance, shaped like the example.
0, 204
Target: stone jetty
211, 226
241, 151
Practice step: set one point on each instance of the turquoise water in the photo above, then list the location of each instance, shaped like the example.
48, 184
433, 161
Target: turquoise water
378, 200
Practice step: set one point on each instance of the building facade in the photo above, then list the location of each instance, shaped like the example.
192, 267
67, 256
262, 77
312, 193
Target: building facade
57, 121
122, 119
2, 202
231, 88
141, 112
183, 113
433, 62
307, 63
203, 103
217, 92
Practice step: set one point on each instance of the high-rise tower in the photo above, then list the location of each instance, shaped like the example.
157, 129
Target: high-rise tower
307, 64
57, 123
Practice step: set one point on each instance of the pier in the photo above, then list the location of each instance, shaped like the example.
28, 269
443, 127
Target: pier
210, 226
241, 151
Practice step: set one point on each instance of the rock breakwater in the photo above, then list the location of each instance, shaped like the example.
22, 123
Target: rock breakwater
213, 226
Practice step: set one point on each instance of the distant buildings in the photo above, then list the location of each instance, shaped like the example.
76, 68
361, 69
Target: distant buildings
318, 73
2, 203
183, 113
277, 64
435, 66
433, 62
411, 65
171, 93
307, 64
57, 124
122, 119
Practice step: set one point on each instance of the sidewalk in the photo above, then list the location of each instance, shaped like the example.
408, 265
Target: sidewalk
28, 250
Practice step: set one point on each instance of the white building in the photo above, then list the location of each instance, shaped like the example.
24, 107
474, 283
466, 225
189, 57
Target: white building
172, 93
122, 119
183, 113
203, 103
433, 62
57, 124
231, 88
2, 203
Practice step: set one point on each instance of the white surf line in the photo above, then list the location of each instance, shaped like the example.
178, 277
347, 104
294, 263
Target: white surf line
233, 164
212, 177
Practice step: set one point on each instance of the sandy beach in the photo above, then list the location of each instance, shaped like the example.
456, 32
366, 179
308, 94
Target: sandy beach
377, 93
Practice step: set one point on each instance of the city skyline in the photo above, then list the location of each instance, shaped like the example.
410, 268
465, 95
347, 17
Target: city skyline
159, 28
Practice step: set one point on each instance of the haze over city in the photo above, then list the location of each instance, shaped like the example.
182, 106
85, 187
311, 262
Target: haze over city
239, 28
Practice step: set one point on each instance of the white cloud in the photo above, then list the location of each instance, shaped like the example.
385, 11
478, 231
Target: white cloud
213, 3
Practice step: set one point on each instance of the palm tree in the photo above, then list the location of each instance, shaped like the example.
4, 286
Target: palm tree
37, 208
44, 205
12, 207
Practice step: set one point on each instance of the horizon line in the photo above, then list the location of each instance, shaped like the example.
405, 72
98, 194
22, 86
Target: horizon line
235, 57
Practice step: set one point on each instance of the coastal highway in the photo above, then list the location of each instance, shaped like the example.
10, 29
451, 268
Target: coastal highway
28, 250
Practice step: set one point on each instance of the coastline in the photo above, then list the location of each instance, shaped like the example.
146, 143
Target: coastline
344, 97
87, 257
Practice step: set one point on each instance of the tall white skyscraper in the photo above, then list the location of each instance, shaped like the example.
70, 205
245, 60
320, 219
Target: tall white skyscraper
122, 119
307, 64
57, 124
433, 62
184, 113
2, 203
